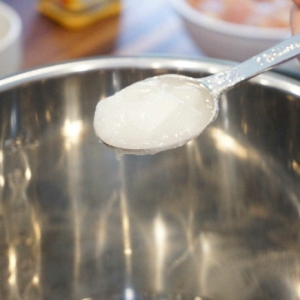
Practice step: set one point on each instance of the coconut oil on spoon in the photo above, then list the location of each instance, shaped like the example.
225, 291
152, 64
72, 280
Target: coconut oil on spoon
155, 114
167, 111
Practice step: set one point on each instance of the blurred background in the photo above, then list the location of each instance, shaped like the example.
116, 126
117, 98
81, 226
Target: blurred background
138, 27
142, 27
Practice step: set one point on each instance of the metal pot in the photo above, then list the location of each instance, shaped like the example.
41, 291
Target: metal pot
216, 219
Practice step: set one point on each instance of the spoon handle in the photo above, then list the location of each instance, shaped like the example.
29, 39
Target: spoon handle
220, 82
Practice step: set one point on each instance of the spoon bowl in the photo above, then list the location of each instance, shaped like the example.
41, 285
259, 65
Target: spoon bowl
155, 114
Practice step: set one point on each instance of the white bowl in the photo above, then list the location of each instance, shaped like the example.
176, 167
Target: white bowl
225, 40
10, 40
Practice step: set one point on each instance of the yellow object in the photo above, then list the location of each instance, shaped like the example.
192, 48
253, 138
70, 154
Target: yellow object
77, 14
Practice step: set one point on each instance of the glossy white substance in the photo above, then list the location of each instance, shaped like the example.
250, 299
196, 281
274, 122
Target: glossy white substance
155, 114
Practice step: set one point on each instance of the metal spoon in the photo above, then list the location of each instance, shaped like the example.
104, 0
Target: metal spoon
214, 86
270, 58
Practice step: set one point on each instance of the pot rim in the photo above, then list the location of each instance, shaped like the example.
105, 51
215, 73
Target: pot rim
205, 64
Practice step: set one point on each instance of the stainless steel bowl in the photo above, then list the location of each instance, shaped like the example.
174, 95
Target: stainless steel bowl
216, 219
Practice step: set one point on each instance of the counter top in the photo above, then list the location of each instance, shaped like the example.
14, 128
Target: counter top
143, 27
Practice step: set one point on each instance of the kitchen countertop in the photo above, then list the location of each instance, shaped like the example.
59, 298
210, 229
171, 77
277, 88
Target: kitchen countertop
143, 27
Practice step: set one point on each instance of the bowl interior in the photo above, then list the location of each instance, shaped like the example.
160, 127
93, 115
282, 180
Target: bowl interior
215, 219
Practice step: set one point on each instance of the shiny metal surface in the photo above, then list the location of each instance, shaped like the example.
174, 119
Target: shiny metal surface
259, 63
217, 219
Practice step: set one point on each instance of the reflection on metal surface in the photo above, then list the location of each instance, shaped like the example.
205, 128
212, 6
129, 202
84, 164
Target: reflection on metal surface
73, 126
125, 224
160, 236
296, 167
127, 248
2, 179
217, 219
22, 228
72, 131
12, 267
129, 294
224, 142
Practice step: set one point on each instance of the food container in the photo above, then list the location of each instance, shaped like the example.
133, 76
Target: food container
226, 40
77, 14
215, 219
10, 40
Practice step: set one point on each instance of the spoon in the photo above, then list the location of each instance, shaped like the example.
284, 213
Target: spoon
167, 111
221, 82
